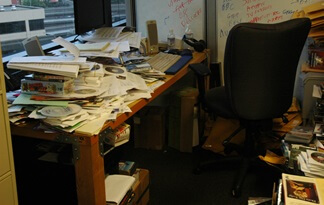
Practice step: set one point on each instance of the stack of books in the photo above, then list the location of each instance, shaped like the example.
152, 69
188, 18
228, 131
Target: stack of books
300, 134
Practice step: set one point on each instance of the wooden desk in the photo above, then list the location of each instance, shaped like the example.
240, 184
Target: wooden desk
87, 152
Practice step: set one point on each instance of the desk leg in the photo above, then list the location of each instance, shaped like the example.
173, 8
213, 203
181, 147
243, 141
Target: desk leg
90, 173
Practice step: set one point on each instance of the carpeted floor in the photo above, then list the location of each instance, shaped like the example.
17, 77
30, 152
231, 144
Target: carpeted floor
173, 181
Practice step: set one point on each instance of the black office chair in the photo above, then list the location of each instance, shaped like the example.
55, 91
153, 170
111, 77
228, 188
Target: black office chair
259, 70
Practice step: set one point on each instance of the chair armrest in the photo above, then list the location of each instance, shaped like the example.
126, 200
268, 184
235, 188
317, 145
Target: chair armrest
200, 69
201, 72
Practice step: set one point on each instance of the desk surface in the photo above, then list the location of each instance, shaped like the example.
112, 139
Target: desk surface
89, 163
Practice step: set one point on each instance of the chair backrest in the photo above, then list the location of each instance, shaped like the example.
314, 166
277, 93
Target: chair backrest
260, 66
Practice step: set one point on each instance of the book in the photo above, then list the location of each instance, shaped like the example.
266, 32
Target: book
46, 77
302, 190
126, 167
47, 87
297, 139
118, 136
117, 186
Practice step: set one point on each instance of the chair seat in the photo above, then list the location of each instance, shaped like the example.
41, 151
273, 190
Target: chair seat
217, 102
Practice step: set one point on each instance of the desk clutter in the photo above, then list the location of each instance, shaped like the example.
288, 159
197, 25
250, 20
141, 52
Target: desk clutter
82, 86
302, 180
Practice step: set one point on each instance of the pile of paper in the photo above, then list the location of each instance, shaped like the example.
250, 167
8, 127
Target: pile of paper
101, 91
311, 162
117, 186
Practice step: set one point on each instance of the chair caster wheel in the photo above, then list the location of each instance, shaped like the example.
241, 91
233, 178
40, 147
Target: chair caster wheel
197, 171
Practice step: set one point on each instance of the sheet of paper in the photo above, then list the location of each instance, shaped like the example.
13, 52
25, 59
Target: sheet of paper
114, 87
113, 54
123, 46
134, 39
126, 84
112, 47
24, 99
63, 59
68, 46
137, 80
35, 115
67, 123
55, 69
108, 32
93, 127
137, 94
15, 108
117, 186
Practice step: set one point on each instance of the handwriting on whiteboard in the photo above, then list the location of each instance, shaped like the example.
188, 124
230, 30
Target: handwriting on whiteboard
180, 8
255, 11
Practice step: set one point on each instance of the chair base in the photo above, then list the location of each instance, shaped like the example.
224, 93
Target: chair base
243, 165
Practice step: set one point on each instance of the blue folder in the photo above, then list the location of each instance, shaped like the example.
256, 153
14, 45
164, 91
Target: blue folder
178, 65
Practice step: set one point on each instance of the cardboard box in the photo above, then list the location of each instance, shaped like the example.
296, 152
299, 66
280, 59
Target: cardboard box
149, 128
145, 198
181, 119
141, 187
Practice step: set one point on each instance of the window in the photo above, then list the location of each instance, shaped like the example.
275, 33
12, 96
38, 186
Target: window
12, 27
118, 12
47, 19
37, 24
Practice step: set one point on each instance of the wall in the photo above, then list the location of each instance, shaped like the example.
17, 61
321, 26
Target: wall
232, 12
171, 14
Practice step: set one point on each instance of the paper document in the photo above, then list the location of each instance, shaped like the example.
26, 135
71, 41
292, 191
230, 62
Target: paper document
93, 127
134, 39
108, 32
55, 69
68, 46
91, 46
69, 60
24, 99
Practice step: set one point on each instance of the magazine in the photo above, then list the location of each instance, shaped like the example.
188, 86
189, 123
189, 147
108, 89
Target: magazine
303, 190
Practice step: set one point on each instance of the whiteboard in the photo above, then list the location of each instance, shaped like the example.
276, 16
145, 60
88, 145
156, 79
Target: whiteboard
232, 12
171, 14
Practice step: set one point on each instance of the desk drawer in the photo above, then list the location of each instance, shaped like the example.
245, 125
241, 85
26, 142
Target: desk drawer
7, 191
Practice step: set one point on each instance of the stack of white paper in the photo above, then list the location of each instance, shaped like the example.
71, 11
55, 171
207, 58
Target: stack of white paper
117, 186
48, 64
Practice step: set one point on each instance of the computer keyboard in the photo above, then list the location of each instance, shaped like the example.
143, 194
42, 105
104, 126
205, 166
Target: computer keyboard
163, 61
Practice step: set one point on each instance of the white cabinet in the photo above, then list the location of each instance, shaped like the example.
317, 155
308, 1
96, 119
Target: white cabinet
8, 189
